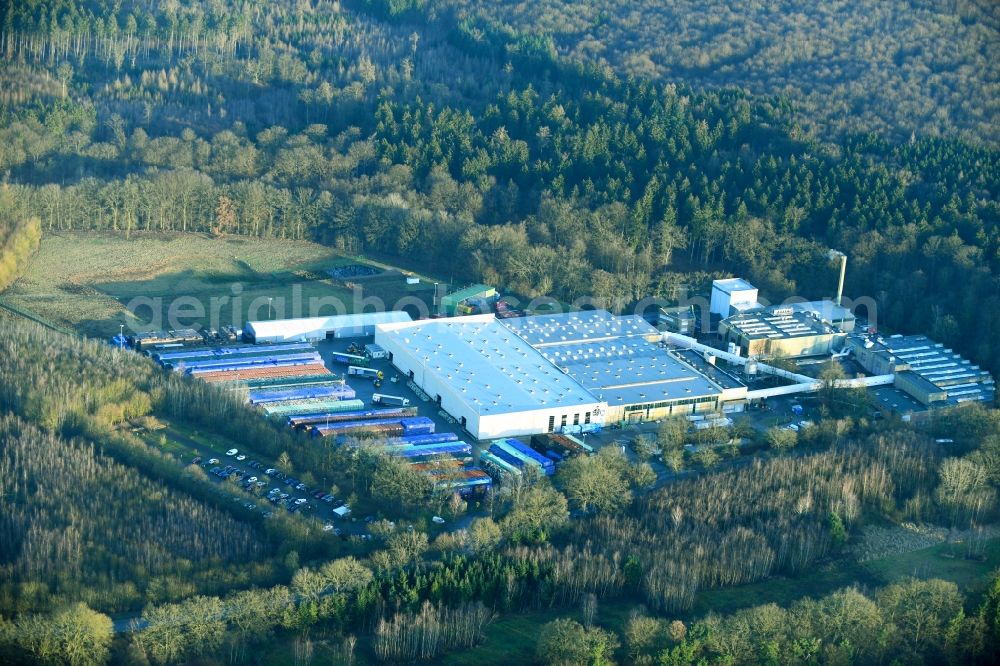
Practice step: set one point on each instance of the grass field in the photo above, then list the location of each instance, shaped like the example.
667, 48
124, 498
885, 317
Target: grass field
85, 281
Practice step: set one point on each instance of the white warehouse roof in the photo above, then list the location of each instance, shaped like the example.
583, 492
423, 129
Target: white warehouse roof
318, 327
618, 359
492, 369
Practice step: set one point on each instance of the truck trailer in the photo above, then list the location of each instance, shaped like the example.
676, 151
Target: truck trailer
514, 450
367, 373
410, 425
498, 468
339, 391
350, 359
299, 420
312, 406
383, 399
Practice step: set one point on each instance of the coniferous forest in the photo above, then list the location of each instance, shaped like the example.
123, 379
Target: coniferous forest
557, 149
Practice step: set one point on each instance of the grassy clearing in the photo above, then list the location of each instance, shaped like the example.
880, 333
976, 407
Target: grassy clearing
83, 280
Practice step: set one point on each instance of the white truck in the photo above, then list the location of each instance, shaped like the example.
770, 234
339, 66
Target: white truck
370, 373
394, 400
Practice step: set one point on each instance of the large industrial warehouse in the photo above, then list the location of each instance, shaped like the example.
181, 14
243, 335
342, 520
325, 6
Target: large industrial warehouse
779, 331
489, 379
552, 373
928, 372
620, 360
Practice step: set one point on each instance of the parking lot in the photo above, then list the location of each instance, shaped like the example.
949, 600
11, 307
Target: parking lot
250, 484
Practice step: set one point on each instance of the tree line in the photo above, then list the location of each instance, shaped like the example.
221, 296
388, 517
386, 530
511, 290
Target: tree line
911, 621
552, 178
894, 68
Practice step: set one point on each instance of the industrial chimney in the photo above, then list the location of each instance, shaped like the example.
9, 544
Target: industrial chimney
836, 254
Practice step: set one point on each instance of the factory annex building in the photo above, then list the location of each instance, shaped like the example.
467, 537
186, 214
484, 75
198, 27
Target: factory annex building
553, 373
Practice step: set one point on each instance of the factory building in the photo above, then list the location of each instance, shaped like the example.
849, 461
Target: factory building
828, 312
569, 372
474, 299
620, 360
681, 319
929, 373
311, 329
779, 332
488, 378
732, 296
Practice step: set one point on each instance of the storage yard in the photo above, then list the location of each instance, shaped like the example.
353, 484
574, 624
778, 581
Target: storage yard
477, 399
307, 388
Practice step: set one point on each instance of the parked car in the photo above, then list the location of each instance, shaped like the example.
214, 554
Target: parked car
241, 457
213, 461
270, 471
232, 452
300, 486
437, 520
301, 501
328, 499
328, 528
197, 459
252, 479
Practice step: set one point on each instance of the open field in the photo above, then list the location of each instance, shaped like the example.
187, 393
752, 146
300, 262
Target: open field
86, 281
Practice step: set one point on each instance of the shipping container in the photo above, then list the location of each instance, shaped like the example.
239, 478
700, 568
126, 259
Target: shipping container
392, 428
394, 445
507, 457
418, 425
340, 391
196, 353
455, 449
298, 420
287, 382
259, 372
156, 338
564, 446
419, 440
443, 463
474, 482
520, 450
195, 367
312, 406
498, 468
350, 359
